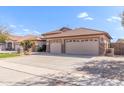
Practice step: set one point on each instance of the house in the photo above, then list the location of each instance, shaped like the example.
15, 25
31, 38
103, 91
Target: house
118, 47
13, 43
83, 41
120, 41
77, 41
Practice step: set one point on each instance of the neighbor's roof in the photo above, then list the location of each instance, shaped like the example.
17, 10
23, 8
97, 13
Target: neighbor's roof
74, 32
120, 41
22, 38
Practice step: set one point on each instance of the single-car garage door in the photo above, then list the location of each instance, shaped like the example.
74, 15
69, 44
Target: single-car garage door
55, 47
86, 47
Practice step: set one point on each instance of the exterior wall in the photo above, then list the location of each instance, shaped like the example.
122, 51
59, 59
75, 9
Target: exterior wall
2, 47
17, 46
104, 44
94, 48
47, 45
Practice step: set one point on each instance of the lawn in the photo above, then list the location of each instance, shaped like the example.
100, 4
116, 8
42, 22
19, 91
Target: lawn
7, 55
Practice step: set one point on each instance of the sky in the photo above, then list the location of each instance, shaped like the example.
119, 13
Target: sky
23, 20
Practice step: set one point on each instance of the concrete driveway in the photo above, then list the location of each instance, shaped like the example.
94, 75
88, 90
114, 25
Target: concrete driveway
16, 69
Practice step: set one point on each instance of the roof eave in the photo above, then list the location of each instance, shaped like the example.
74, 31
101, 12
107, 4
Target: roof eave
80, 35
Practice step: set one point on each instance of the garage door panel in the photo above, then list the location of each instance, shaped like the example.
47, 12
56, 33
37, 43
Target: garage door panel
86, 48
55, 47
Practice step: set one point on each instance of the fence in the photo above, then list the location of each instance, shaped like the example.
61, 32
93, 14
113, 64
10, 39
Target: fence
118, 48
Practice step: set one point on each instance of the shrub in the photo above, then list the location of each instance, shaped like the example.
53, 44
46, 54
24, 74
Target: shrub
27, 46
42, 49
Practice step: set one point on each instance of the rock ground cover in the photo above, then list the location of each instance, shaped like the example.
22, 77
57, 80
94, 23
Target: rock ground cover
99, 73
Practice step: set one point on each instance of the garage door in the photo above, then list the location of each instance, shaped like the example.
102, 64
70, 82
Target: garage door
55, 47
86, 47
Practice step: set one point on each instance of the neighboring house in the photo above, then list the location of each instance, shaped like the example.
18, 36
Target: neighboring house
13, 44
120, 41
118, 47
77, 41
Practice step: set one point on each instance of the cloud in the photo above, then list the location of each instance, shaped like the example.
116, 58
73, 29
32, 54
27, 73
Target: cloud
13, 26
88, 18
113, 19
85, 16
26, 30
36, 32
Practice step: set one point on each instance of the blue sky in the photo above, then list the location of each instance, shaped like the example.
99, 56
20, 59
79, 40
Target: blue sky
37, 20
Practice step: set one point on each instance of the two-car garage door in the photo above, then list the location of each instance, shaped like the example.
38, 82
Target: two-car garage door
85, 47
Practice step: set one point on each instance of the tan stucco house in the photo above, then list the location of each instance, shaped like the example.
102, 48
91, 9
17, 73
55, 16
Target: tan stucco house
77, 41
82, 41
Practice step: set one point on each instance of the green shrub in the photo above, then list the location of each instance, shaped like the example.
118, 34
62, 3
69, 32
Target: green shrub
39, 49
42, 49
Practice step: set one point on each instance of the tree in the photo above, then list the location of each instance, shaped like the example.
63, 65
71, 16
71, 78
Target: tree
27, 45
122, 18
4, 32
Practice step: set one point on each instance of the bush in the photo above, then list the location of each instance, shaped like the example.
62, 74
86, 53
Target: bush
42, 49
27, 46
39, 49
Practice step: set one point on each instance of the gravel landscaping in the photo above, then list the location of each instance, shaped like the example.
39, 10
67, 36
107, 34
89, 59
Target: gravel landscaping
68, 80
98, 73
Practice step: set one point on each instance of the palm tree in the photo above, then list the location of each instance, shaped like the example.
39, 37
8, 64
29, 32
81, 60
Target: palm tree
27, 46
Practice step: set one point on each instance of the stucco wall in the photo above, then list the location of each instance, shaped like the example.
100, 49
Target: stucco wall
87, 48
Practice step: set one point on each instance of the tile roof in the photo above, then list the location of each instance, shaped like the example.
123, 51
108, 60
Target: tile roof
75, 32
22, 38
63, 29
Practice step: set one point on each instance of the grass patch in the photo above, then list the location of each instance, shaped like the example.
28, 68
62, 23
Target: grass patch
7, 55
